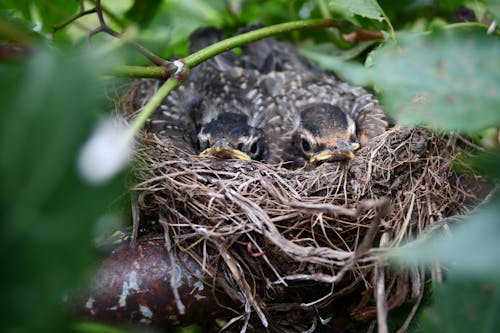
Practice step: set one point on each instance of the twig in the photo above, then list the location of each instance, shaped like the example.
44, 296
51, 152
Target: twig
111, 15
73, 18
380, 294
135, 217
103, 27
363, 35
173, 274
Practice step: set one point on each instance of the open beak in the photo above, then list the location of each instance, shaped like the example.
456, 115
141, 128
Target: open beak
343, 151
222, 149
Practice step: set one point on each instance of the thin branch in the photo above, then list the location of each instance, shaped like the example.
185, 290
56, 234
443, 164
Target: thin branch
103, 27
111, 15
363, 35
72, 19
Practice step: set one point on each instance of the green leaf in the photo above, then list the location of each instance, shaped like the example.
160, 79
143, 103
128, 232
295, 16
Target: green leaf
23, 7
49, 106
317, 51
494, 8
55, 11
142, 12
472, 248
463, 306
443, 80
364, 8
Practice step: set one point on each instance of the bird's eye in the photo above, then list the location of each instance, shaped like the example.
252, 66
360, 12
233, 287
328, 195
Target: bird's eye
202, 144
306, 146
197, 145
254, 148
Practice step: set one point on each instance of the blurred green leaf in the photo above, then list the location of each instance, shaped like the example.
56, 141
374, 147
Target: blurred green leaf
168, 32
494, 8
487, 163
23, 7
142, 12
463, 306
50, 104
472, 249
364, 8
54, 12
441, 80
88, 327
318, 51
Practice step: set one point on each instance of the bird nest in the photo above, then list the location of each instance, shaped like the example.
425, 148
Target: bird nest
288, 246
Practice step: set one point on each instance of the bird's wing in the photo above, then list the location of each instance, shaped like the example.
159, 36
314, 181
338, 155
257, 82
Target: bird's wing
170, 120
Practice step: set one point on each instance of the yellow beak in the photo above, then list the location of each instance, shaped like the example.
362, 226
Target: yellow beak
331, 156
222, 149
344, 152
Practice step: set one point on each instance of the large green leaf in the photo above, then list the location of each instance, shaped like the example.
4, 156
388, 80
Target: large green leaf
49, 105
22, 7
446, 80
463, 306
494, 8
472, 249
53, 12
364, 8
142, 12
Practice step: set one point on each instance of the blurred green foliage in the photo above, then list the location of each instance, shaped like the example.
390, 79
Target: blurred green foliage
52, 94
439, 80
50, 102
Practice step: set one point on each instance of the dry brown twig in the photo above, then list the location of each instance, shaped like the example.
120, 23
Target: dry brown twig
103, 27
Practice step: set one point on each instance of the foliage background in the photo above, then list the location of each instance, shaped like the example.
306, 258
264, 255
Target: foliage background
54, 90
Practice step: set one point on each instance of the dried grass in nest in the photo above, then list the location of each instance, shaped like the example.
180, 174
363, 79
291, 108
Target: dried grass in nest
281, 240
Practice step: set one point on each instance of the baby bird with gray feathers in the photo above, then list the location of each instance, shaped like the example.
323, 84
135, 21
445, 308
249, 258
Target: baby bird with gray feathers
271, 105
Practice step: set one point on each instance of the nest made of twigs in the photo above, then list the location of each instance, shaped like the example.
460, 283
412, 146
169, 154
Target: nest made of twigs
295, 241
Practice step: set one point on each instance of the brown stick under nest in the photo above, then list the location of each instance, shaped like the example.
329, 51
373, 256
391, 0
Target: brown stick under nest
295, 242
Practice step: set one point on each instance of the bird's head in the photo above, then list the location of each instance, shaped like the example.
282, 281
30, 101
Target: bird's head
325, 133
229, 135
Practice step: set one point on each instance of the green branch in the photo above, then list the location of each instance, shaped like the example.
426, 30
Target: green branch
222, 46
230, 43
151, 106
199, 57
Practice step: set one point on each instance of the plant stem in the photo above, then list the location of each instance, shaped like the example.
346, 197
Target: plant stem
154, 72
151, 106
201, 56
224, 45
232, 42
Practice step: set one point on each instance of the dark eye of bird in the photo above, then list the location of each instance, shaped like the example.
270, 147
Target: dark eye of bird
306, 146
201, 145
254, 148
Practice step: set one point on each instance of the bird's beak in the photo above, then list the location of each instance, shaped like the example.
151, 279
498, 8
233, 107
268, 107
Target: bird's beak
343, 151
223, 149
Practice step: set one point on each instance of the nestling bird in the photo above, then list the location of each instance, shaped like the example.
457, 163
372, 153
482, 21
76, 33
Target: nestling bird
313, 115
228, 125
271, 104
324, 133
